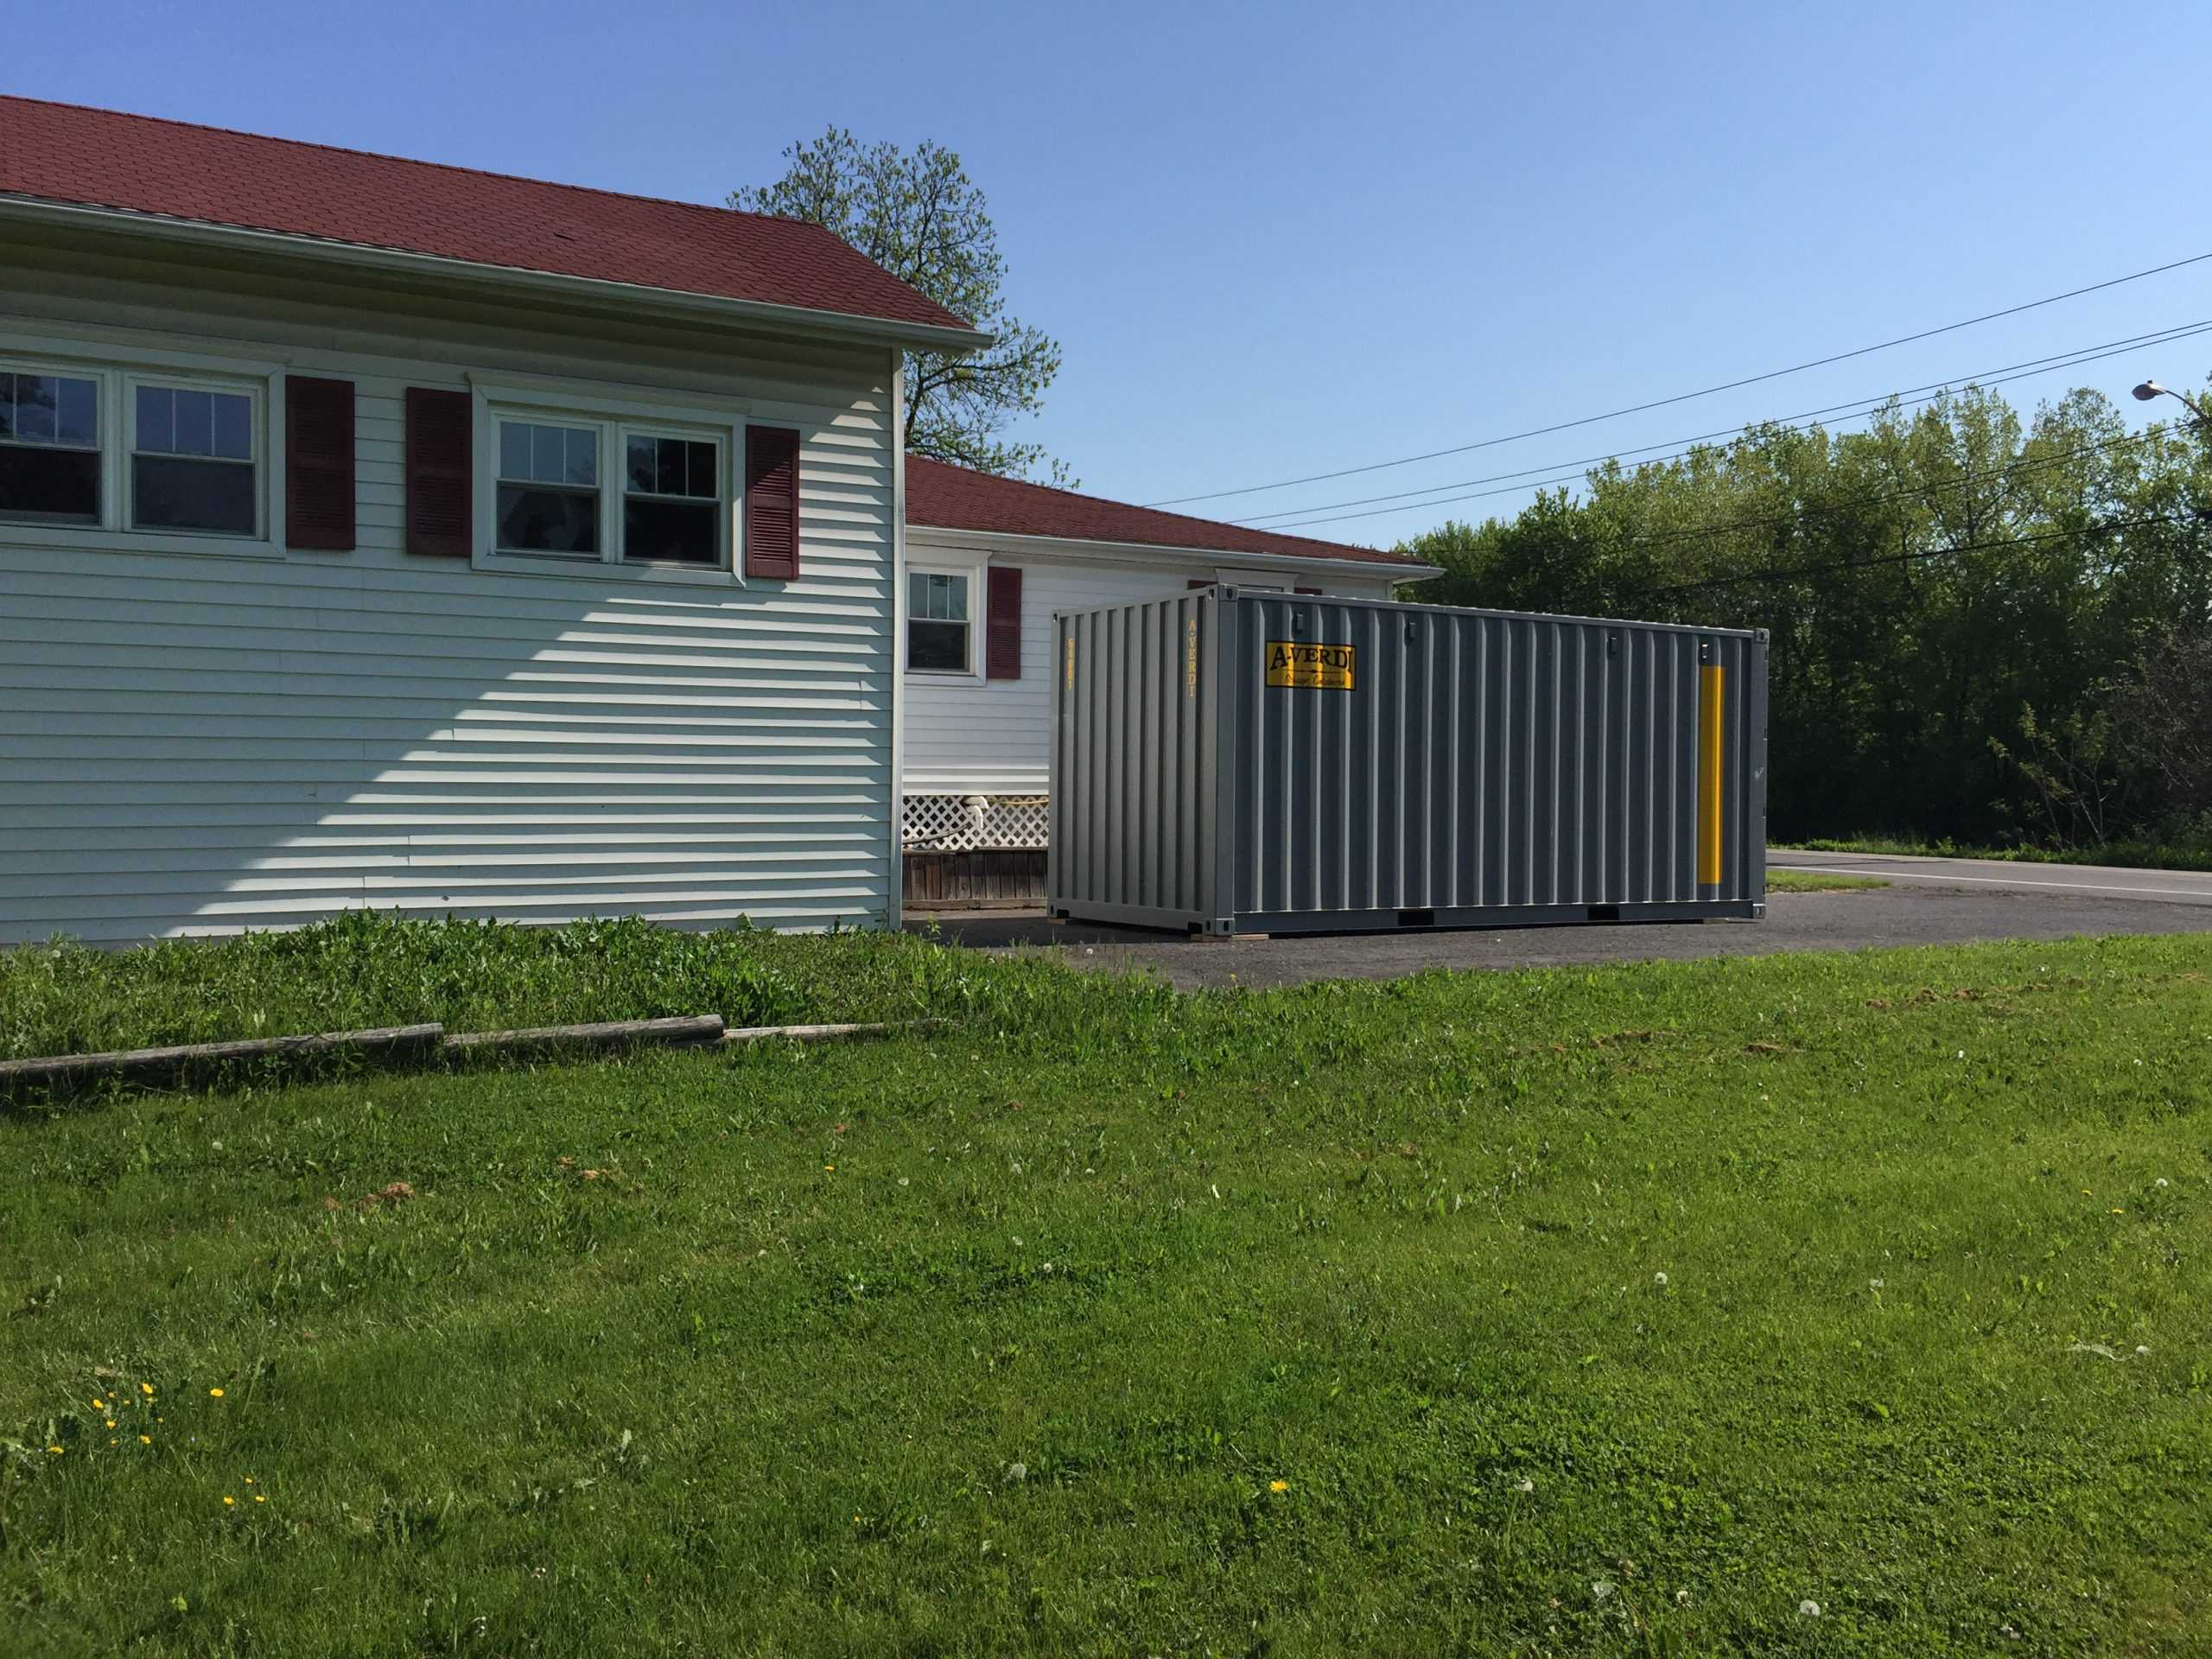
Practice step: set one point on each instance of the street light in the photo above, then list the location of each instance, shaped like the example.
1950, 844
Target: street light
2150, 389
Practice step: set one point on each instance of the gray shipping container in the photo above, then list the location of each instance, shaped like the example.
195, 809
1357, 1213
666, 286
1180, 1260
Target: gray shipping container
1235, 762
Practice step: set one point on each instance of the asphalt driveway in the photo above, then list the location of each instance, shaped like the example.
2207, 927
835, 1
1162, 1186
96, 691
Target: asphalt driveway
1931, 901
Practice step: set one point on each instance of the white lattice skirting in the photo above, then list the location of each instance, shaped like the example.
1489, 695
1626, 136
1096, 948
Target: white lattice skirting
963, 823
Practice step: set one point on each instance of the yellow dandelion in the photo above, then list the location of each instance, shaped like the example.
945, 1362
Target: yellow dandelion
214, 1394
1278, 1486
259, 1498
99, 1405
111, 1422
145, 1388
229, 1502
828, 1167
249, 1480
145, 1440
114, 1442
55, 1450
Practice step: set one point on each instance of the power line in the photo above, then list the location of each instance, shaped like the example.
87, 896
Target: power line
1578, 477
1795, 520
1683, 397
1903, 558
1906, 397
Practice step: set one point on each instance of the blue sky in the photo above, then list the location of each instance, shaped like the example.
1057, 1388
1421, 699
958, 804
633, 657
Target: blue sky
1277, 241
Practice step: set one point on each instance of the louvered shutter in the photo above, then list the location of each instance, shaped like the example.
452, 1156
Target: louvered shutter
319, 463
772, 503
441, 489
1003, 623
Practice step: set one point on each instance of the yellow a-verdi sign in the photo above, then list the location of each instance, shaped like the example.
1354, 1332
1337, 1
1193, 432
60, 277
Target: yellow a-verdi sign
1309, 668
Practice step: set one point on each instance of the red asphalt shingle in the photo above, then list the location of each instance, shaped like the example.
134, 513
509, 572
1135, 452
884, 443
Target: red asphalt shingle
67, 153
945, 497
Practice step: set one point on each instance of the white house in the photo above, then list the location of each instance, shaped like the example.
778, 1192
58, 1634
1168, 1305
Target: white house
988, 560
379, 533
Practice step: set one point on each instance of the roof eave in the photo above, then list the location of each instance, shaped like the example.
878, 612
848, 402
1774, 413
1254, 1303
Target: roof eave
1154, 553
629, 296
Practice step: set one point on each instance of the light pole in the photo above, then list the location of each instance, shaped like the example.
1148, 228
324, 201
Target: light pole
2150, 389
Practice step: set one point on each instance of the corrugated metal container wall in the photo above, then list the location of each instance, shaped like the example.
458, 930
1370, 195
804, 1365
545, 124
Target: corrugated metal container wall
1239, 762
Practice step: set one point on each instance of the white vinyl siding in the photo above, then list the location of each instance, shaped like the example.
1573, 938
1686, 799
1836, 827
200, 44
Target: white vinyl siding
202, 744
973, 737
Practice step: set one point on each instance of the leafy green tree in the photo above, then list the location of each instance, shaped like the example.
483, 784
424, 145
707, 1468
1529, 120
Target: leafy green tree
1958, 599
918, 214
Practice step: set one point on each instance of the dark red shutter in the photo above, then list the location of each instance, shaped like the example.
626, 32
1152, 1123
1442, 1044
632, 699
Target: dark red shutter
440, 485
1003, 623
1315, 592
1196, 582
319, 463
772, 503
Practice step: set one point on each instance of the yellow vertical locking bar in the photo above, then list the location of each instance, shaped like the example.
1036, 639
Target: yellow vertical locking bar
1712, 695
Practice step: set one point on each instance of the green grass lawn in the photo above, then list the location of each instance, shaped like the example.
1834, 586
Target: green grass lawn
1611, 1311
371, 969
1780, 879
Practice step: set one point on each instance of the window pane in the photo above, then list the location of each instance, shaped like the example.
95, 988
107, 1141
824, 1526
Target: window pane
549, 454
937, 646
548, 521
671, 467
80, 420
685, 531
644, 463
36, 395
7, 405
171, 493
940, 597
156, 419
196, 423
233, 426
514, 449
583, 456
48, 486
700, 471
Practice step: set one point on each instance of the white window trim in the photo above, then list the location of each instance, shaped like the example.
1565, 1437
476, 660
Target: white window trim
119, 371
613, 418
978, 600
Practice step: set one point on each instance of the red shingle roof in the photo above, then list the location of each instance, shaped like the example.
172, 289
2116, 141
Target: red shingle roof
944, 497
67, 153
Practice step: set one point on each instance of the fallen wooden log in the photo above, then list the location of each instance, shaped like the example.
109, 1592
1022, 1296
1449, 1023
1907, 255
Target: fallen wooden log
607, 1033
805, 1033
153, 1066
156, 1066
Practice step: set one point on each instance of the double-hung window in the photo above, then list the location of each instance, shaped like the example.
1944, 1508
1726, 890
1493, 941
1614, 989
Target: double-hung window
548, 488
671, 500
49, 448
177, 456
192, 463
939, 622
610, 490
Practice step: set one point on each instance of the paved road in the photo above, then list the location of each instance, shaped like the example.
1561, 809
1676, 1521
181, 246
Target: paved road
1935, 901
2169, 886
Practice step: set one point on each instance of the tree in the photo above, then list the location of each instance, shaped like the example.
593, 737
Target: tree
1982, 622
916, 214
